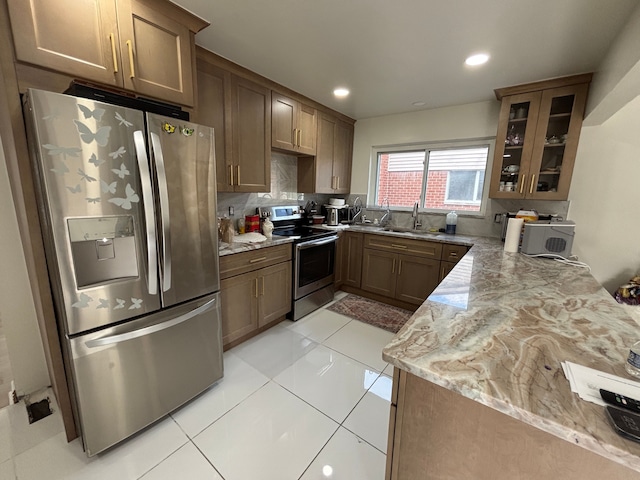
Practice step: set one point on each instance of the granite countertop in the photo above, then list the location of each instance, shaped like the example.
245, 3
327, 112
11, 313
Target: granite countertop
498, 326
236, 247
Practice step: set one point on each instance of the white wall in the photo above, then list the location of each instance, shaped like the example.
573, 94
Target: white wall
615, 83
605, 197
17, 310
474, 120
606, 179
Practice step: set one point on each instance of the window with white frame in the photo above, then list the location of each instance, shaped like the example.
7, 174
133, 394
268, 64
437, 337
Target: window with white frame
440, 177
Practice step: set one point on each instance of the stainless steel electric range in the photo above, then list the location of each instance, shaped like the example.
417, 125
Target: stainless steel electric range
314, 257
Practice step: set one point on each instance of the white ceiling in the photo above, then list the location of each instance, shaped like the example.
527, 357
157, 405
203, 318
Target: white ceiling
393, 53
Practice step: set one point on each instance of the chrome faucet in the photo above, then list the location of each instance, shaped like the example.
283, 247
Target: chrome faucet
357, 208
414, 214
387, 215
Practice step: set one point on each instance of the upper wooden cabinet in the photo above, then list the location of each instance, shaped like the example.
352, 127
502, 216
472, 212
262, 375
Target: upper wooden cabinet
239, 110
251, 116
293, 125
141, 45
537, 138
330, 170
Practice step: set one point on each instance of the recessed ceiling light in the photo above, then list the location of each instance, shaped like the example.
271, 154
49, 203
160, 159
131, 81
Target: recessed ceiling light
478, 59
341, 92
418, 104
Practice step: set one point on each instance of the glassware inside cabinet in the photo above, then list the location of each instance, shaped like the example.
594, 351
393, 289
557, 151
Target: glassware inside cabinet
554, 143
513, 147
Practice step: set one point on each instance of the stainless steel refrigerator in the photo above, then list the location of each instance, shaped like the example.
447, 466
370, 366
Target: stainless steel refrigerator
128, 211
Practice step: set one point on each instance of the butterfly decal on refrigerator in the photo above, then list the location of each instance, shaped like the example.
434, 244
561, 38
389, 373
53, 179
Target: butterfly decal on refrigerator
125, 203
101, 136
88, 113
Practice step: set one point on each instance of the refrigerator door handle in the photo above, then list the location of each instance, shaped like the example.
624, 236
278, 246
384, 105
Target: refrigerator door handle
164, 211
121, 337
149, 213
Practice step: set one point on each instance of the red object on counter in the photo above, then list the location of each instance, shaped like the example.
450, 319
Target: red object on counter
252, 223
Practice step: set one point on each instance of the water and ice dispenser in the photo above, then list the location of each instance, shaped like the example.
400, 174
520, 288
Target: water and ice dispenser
103, 249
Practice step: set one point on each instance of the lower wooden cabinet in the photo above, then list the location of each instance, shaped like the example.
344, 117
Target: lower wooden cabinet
274, 298
258, 294
438, 433
451, 255
239, 305
351, 258
378, 270
404, 277
445, 268
416, 278
393, 269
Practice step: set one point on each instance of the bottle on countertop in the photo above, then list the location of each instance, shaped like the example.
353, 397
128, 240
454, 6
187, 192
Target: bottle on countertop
452, 221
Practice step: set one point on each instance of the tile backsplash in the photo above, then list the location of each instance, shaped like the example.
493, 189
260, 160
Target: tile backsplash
483, 226
284, 180
284, 175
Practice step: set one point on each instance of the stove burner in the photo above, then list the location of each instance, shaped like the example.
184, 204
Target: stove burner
301, 232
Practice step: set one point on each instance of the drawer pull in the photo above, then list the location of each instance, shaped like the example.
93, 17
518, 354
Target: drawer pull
256, 260
395, 245
453, 254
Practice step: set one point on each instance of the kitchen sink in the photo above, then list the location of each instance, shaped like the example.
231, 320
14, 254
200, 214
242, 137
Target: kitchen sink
408, 230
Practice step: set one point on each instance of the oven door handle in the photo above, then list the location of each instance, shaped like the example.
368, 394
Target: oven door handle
316, 243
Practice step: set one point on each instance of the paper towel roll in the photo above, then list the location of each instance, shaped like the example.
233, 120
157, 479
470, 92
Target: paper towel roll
512, 238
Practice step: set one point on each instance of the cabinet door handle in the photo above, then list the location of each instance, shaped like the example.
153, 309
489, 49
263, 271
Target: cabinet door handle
400, 267
294, 136
256, 287
131, 66
231, 175
393, 266
263, 286
238, 175
113, 52
337, 183
524, 177
533, 179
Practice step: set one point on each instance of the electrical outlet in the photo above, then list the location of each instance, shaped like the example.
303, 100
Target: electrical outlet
497, 218
231, 211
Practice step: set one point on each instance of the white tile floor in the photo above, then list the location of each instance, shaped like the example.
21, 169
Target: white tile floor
305, 400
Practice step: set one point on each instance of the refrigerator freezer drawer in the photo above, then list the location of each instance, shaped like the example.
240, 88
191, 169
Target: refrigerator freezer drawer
129, 376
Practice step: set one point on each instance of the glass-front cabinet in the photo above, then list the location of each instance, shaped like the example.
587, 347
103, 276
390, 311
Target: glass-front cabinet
537, 138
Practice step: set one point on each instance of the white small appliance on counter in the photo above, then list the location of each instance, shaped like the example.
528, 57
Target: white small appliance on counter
548, 238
